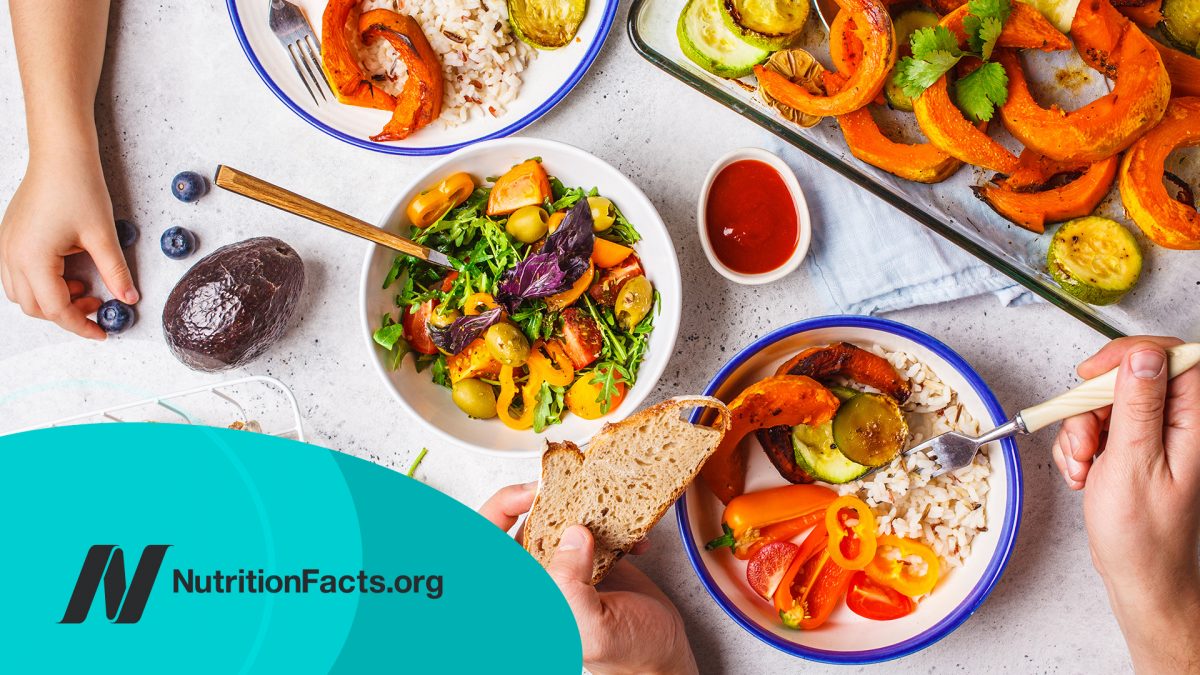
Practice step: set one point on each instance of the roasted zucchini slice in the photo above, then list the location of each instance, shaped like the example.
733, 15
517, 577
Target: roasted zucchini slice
1181, 24
708, 41
819, 456
769, 24
870, 429
546, 24
1095, 259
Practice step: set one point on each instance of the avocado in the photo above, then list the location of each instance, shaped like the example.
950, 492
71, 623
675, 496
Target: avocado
233, 304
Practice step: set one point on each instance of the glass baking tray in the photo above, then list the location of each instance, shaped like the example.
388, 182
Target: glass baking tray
1165, 301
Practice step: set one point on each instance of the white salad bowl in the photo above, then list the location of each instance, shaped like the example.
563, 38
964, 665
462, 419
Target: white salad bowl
429, 403
848, 638
803, 218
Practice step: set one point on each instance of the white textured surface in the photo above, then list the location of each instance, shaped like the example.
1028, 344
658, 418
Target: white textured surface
178, 94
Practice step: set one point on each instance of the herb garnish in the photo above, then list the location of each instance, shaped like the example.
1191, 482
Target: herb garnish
935, 51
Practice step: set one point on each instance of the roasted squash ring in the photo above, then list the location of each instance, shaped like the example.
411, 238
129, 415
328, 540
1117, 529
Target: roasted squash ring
1112, 122
351, 84
420, 100
1166, 221
920, 162
874, 28
944, 124
1098, 28
1033, 209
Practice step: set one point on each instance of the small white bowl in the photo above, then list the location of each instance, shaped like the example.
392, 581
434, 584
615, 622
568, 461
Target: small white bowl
803, 220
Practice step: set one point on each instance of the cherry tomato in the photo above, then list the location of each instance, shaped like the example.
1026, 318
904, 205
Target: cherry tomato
767, 567
871, 600
416, 328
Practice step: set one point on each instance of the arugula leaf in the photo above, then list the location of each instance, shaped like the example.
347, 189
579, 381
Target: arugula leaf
549, 407
439, 372
979, 93
389, 333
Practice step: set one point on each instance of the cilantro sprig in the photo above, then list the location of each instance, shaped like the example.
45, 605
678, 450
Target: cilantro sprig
935, 51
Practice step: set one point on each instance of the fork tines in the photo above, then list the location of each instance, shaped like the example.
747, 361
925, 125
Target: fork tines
304, 48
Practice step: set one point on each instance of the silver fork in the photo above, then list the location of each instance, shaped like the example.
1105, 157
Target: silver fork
293, 30
952, 450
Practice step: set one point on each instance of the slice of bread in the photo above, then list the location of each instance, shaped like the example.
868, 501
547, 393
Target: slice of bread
626, 479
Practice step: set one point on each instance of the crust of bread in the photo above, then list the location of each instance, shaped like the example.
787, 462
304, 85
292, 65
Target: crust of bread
640, 452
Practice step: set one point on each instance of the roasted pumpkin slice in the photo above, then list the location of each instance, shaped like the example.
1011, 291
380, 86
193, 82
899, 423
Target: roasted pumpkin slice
1112, 122
1032, 210
849, 361
873, 26
781, 400
420, 100
1166, 221
1147, 15
1183, 69
351, 84
1035, 171
944, 124
920, 162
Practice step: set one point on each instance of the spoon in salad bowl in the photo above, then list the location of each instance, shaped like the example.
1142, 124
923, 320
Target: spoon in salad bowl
260, 190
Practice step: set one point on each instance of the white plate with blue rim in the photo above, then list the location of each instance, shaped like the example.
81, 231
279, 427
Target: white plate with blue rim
847, 638
547, 79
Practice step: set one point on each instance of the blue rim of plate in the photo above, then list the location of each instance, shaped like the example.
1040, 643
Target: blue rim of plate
606, 22
1008, 534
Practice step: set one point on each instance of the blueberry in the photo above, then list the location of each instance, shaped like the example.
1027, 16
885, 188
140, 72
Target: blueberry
189, 186
178, 242
127, 233
115, 316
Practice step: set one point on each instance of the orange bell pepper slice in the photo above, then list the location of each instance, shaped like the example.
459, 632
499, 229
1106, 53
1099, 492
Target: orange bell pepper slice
851, 527
779, 400
606, 254
756, 519
420, 100
893, 565
526, 184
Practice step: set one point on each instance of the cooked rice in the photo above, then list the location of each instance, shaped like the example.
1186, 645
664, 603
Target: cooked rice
482, 61
946, 512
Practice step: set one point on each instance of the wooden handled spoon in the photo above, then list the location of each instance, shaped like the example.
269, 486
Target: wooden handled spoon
261, 191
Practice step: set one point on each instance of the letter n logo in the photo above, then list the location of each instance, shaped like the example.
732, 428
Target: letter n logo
123, 604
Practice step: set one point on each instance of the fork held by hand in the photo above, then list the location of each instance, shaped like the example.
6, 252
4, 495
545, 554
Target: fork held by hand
953, 450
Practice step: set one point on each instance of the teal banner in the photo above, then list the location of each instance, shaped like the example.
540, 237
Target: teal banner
160, 548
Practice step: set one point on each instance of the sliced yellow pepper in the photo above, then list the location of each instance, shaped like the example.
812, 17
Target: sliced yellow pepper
508, 391
548, 362
896, 572
436, 201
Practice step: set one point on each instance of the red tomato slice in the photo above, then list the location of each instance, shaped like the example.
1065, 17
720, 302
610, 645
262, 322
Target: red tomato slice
766, 567
872, 600
416, 328
581, 337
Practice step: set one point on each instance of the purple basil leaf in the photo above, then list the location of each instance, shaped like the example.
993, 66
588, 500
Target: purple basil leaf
560, 263
463, 331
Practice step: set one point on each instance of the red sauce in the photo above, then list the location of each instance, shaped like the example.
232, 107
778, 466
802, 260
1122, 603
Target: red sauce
751, 218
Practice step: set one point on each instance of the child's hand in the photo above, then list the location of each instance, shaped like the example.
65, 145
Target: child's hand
61, 208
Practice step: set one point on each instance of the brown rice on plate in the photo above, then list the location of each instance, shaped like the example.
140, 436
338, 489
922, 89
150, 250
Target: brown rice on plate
482, 61
946, 512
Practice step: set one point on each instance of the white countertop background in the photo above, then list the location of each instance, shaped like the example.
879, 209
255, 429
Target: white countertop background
178, 94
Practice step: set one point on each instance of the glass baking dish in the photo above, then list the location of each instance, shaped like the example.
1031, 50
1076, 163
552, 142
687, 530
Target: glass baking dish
1165, 301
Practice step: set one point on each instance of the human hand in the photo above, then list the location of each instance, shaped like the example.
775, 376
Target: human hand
626, 623
1139, 461
61, 208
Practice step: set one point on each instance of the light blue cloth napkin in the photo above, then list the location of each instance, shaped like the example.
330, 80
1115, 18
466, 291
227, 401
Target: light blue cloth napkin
869, 258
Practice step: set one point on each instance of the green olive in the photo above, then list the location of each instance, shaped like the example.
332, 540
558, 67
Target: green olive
633, 302
603, 213
508, 344
527, 224
474, 397
442, 318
